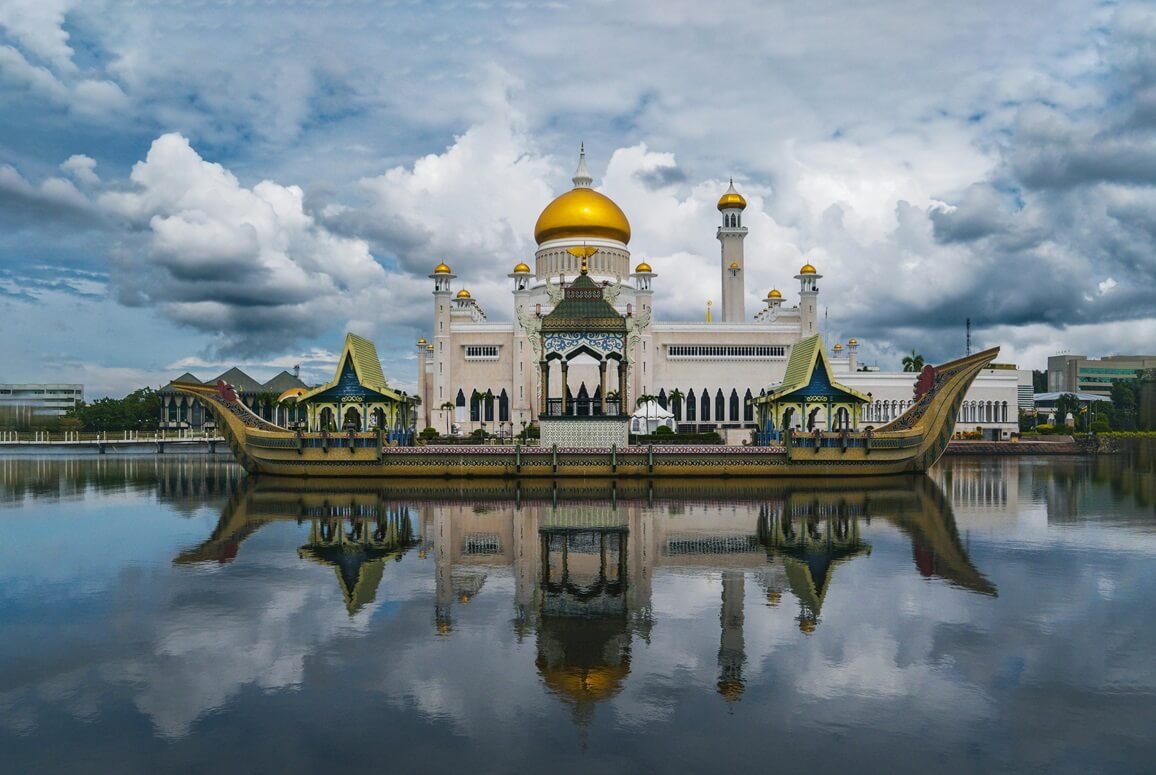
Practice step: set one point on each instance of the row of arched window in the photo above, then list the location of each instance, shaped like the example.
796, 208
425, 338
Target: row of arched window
703, 406
483, 404
971, 411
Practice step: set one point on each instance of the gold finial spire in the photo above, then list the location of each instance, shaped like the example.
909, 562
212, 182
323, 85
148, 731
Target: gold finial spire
583, 253
708, 303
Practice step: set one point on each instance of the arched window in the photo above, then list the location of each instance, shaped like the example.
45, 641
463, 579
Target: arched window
748, 407
704, 406
676, 406
488, 404
720, 406
503, 407
691, 407
662, 399
475, 406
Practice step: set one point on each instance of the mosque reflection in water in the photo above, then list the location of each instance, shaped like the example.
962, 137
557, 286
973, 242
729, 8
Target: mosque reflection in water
583, 555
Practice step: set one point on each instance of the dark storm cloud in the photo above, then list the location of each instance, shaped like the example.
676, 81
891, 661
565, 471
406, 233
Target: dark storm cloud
661, 177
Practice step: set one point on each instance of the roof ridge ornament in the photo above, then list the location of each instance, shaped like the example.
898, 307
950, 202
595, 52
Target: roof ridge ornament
582, 177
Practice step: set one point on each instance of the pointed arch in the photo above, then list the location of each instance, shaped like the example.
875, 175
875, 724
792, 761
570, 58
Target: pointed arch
503, 406
704, 406
734, 405
691, 407
748, 407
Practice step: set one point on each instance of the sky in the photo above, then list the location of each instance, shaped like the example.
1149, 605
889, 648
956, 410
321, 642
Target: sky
187, 186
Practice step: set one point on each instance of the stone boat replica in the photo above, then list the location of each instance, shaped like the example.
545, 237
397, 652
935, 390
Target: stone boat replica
911, 443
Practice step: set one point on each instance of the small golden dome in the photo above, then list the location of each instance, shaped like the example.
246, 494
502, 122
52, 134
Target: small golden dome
808, 269
463, 294
807, 626
852, 341
643, 267
582, 212
838, 347
429, 347
522, 267
734, 264
443, 268
732, 199
421, 341
775, 294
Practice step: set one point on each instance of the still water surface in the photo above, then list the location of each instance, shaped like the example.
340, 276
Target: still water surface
170, 614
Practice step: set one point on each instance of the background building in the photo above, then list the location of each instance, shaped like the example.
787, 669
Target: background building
39, 400
1081, 374
180, 411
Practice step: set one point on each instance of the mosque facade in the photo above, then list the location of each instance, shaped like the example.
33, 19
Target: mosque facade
502, 376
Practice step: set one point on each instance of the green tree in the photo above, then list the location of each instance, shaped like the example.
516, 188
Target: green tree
913, 362
1039, 381
1066, 404
1125, 400
138, 411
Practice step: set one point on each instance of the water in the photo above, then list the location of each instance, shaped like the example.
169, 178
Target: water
168, 614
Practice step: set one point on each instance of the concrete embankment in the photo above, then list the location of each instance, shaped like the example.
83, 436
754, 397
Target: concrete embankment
141, 447
1055, 445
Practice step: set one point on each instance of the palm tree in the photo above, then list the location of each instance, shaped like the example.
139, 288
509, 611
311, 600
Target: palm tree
447, 407
675, 396
913, 362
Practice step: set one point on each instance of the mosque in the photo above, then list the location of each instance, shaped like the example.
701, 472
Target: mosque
584, 339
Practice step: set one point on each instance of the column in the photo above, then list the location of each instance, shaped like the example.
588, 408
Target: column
545, 366
622, 369
602, 385
565, 388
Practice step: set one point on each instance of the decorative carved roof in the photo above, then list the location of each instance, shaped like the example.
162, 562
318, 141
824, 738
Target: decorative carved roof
584, 308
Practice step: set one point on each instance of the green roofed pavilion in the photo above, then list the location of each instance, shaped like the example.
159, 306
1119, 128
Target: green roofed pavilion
809, 398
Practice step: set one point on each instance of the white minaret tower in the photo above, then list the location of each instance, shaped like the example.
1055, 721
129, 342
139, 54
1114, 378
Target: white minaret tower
442, 277
808, 278
731, 234
643, 357
523, 364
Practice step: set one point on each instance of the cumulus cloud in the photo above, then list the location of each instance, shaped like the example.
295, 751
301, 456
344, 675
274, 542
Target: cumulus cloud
247, 264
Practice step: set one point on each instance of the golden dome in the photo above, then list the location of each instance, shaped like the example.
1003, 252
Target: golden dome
808, 269
852, 341
521, 267
774, 294
734, 264
429, 347
732, 199
443, 268
838, 347
585, 684
582, 212
643, 267
463, 294
421, 341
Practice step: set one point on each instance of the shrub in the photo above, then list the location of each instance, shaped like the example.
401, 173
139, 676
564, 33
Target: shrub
1101, 425
429, 433
663, 430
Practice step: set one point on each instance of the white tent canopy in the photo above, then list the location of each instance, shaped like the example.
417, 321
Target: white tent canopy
649, 416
